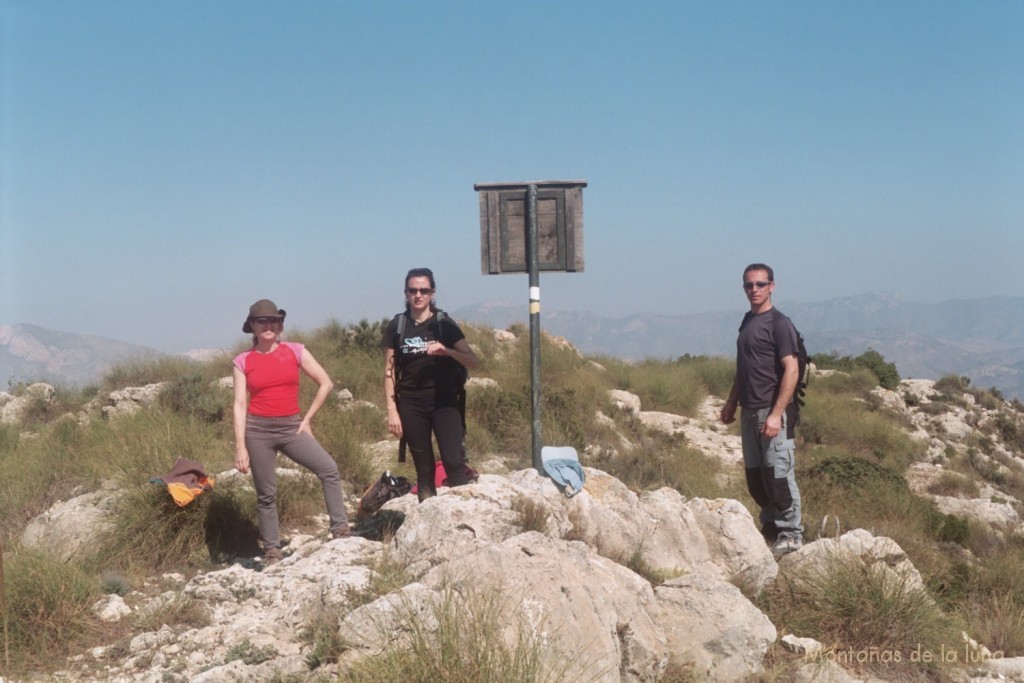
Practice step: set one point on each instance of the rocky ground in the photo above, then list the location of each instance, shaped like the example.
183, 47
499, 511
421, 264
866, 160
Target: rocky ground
567, 576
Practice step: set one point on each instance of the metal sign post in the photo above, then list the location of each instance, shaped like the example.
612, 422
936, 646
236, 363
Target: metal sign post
534, 270
532, 227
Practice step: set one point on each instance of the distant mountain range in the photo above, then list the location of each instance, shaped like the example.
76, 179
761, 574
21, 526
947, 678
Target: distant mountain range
980, 338
29, 353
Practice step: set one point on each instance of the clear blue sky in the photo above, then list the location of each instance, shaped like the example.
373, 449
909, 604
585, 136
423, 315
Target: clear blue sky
165, 164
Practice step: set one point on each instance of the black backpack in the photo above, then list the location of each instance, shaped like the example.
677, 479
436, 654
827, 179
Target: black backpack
381, 491
799, 394
461, 371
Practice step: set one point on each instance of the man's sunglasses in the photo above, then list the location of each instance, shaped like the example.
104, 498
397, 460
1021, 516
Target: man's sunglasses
760, 284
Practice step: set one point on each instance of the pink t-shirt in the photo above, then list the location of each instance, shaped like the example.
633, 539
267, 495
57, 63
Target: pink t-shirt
272, 379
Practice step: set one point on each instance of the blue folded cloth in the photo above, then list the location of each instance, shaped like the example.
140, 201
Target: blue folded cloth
563, 466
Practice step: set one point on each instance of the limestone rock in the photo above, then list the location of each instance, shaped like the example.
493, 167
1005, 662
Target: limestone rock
13, 408
131, 400
709, 623
877, 552
71, 529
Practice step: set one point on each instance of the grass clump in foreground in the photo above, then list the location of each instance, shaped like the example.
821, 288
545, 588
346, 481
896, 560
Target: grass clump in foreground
875, 618
152, 534
48, 604
461, 638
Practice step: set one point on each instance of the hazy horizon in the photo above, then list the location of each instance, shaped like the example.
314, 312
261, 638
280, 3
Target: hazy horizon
611, 315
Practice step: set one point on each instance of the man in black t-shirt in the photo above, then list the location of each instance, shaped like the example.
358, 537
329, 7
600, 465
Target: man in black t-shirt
767, 371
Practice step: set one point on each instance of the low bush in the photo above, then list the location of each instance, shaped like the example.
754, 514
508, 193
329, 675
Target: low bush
885, 373
952, 387
876, 498
854, 382
1011, 428
192, 396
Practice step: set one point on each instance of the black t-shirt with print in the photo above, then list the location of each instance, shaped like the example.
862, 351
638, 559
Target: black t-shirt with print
418, 373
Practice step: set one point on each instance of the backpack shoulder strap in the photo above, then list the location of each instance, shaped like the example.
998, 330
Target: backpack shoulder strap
399, 321
396, 341
442, 317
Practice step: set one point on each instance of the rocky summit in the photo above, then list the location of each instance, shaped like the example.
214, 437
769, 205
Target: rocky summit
612, 585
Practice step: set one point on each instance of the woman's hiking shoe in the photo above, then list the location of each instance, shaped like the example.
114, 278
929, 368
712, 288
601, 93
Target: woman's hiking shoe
787, 543
341, 532
271, 556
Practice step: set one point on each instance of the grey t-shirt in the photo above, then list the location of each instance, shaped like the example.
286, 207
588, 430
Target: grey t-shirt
764, 340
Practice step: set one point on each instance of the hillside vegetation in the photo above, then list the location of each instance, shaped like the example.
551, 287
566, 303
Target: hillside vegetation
854, 452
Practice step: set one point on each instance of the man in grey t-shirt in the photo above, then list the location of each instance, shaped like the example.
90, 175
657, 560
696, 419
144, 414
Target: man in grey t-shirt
767, 371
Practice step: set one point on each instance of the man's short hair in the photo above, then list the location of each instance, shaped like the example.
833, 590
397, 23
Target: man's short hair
760, 266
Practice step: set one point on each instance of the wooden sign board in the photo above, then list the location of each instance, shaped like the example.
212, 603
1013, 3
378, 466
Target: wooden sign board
503, 213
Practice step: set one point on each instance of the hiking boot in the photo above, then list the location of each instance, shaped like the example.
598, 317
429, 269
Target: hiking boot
271, 556
341, 532
787, 543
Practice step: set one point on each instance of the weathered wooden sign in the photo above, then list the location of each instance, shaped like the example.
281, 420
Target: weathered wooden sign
503, 226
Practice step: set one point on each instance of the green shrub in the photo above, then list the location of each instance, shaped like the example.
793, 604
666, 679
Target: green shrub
249, 653
989, 400
934, 407
1011, 430
857, 474
952, 387
192, 396
871, 360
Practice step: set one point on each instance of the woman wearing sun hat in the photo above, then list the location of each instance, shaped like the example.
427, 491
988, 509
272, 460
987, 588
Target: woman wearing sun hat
267, 419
